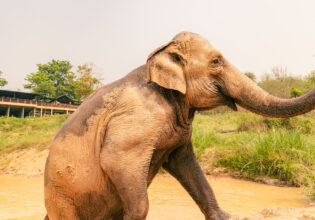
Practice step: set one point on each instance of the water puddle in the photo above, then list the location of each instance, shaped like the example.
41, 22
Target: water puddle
22, 198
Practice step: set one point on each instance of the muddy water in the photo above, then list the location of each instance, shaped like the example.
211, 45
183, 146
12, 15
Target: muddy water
22, 198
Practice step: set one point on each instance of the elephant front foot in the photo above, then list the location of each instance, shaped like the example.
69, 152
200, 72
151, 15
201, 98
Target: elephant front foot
219, 215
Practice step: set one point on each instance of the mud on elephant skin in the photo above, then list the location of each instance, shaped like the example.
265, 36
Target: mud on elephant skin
105, 156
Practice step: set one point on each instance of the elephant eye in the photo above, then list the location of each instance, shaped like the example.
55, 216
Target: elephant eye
175, 57
216, 61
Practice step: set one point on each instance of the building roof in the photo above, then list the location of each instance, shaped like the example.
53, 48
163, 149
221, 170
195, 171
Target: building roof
25, 95
63, 99
17, 94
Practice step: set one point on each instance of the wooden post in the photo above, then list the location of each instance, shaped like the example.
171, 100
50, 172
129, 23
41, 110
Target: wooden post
41, 112
22, 112
67, 111
51, 111
8, 111
34, 113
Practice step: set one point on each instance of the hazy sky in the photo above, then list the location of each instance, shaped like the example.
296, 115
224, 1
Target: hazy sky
117, 36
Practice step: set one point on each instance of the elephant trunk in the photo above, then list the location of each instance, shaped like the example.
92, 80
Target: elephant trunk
249, 95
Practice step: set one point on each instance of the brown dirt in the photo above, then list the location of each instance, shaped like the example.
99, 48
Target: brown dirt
307, 213
28, 162
31, 162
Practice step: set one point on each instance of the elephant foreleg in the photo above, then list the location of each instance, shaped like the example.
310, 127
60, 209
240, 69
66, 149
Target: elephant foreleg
183, 165
127, 170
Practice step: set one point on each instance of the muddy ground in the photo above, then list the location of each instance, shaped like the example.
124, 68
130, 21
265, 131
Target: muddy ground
31, 163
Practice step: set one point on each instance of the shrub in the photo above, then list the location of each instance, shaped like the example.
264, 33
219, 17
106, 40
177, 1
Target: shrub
299, 123
249, 122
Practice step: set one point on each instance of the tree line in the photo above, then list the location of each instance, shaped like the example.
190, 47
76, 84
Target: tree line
279, 83
57, 78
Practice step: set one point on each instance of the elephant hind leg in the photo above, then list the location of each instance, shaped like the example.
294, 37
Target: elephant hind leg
59, 206
63, 213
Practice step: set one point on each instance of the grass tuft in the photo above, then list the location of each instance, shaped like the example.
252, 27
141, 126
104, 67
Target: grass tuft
282, 154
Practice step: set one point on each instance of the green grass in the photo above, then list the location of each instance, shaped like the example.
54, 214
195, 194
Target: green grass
18, 133
281, 154
278, 148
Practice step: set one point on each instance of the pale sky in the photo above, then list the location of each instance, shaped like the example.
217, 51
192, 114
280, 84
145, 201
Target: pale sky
117, 36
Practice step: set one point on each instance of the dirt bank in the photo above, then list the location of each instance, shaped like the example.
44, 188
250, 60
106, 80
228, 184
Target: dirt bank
31, 163
307, 213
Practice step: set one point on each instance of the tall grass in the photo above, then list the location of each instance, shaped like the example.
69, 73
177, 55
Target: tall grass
282, 154
202, 140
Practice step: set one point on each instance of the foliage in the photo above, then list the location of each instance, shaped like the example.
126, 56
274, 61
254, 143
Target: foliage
298, 123
85, 83
52, 79
279, 153
3, 81
202, 140
296, 92
278, 148
252, 122
311, 77
280, 84
56, 78
251, 75
40, 83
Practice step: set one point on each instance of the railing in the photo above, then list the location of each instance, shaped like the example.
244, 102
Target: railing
38, 103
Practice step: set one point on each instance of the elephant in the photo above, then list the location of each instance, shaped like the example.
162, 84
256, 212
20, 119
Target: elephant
107, 153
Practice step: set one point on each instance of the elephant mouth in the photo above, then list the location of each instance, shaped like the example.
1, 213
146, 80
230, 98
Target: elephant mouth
227, 100
221, 98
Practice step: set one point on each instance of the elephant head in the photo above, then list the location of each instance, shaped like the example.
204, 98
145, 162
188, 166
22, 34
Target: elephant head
192, 66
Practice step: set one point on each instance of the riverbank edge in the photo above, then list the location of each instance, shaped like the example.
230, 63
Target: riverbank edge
31, 163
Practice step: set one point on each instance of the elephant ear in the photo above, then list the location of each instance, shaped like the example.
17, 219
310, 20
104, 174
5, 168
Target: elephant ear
165, 66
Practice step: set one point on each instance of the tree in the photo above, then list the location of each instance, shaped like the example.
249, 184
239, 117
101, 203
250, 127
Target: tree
85, 82
251, 76
3, 81
56, 78
279, 72
280, 83
40, 83
311, 77
52, 79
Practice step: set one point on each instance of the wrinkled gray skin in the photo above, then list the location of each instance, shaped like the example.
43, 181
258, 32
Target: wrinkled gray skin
106, 154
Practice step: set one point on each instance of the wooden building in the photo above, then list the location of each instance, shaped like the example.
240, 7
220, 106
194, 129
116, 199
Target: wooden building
21, 104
